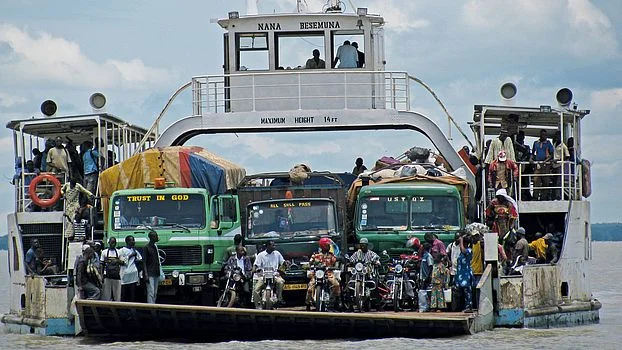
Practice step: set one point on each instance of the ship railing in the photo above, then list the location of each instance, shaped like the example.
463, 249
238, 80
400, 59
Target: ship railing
558, 180
300, 89
23, 202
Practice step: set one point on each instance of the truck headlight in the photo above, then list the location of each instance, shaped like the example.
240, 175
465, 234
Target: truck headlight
175, 274
195, 279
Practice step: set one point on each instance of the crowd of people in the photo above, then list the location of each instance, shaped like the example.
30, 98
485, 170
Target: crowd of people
540, 164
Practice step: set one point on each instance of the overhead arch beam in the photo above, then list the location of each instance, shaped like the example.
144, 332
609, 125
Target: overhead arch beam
184, 129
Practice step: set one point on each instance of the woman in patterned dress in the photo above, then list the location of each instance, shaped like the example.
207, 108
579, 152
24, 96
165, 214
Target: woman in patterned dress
439, 280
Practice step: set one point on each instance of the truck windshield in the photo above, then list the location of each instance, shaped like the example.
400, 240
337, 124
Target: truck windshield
399, 213
291, 218
180, 211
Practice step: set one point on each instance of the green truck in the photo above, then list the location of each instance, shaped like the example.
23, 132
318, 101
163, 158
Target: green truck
390, 212
194, 229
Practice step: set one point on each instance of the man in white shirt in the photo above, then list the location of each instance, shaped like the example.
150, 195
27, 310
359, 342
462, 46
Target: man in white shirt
271, 259
347, 56
129, 271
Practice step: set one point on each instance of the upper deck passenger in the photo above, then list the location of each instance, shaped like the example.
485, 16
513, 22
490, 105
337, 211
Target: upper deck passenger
347, 56
315, 62
361, 55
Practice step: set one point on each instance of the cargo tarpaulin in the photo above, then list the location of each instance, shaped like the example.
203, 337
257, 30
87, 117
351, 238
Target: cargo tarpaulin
185, 166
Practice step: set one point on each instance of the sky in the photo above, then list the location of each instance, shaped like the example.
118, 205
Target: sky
138, 52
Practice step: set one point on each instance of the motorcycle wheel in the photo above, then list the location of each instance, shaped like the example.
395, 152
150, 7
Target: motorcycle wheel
320, 306
396, 298
223, 300
232, 297
267, 299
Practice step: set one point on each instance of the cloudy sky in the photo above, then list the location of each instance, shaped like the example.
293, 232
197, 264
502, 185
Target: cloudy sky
138, 52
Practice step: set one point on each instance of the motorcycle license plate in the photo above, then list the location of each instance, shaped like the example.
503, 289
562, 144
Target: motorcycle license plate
295, 286
166, 282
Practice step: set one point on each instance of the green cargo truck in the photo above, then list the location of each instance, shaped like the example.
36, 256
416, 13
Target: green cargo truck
390, 212
194, 229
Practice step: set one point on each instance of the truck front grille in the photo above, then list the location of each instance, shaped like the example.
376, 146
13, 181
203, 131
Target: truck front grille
187, 255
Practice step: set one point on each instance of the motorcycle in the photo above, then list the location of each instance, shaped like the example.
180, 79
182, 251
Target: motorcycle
321, 297
233, 288
401, 287
361, 284
267, 297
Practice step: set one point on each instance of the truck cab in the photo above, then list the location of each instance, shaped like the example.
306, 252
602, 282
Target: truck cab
194, 229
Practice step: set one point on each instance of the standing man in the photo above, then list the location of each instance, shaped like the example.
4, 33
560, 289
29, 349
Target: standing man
87, 278
359, 168
502, 143
542, 153
315, 62
361, 55
231, 250
31, 257
501, 172
560, 155
111, 260
91, 167
271, 259
58, 158
521, 248
152, 267
130, 257
347, 56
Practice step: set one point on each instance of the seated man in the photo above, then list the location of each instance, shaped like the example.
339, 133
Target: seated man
44, 266
327, 259
268, 259
239, 259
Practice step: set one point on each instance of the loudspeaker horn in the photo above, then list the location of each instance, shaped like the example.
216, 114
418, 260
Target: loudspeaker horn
508, 91
564, 97
97, 100
48, 108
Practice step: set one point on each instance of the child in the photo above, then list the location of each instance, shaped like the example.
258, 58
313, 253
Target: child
438, 281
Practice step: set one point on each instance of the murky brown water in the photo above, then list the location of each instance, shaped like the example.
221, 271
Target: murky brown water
606, 276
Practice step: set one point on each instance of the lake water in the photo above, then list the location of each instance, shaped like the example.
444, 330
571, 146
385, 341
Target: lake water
606, 275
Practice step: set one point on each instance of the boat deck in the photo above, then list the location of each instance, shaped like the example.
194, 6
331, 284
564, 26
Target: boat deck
212, 324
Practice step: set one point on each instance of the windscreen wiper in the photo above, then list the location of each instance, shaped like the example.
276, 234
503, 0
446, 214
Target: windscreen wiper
180, 226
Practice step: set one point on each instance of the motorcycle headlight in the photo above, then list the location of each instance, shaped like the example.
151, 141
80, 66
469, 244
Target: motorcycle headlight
358, 266
175, 274
319, 274
237, 277
398, 268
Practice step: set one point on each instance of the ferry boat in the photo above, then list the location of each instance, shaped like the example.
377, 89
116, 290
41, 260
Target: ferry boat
264, 88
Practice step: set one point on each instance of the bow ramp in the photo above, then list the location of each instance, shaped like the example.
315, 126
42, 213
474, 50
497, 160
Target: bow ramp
136, 320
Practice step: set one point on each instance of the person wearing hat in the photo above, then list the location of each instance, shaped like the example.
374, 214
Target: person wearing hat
502, 143
501, 171
501, 213
364, 254
540, 246
521, 248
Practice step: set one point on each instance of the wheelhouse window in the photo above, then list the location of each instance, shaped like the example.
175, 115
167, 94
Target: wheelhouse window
355, 38
295, 49
252, 51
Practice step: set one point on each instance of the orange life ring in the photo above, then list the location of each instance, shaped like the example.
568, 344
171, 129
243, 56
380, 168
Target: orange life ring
44, 202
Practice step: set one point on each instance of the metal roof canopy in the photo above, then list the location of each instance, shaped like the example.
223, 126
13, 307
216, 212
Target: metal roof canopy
78, 127
312, 120
531, 119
